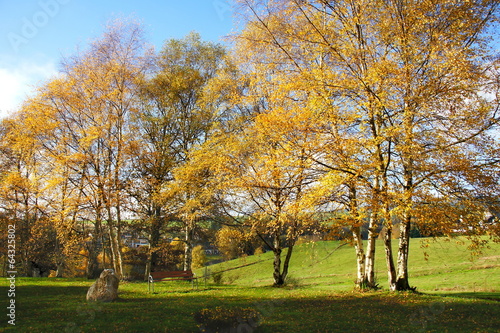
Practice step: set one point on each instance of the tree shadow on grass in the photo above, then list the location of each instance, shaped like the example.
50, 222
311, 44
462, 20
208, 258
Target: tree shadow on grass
52, 307
491, 296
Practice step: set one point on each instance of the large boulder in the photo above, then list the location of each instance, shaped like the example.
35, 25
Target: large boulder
105, 288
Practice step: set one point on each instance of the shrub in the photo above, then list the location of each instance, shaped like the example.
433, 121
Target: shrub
170, 256
133, 263
133, 272
227, 319
259, 251
199, 257
230, 242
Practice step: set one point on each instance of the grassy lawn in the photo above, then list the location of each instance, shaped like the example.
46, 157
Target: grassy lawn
459, 295
436, 266
52, 305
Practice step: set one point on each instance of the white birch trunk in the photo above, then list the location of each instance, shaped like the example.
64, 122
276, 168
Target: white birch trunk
370, 254
360, 257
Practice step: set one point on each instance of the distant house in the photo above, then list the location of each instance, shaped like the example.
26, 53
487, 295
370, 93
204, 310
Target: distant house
492, 216
134, 241
211, 250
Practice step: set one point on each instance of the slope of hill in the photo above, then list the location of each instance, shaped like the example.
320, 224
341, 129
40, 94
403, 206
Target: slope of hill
437, 265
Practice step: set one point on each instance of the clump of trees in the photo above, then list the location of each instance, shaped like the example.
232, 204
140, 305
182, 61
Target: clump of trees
370, 113
394, 103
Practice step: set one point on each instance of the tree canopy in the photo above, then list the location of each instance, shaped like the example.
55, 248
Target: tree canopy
377, 116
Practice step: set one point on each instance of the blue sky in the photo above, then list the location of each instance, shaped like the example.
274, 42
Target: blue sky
36, 34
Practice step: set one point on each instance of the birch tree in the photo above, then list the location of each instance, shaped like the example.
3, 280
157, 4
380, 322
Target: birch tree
105, 89
21, 181
183, 111
87, 111
261, 184
399, 79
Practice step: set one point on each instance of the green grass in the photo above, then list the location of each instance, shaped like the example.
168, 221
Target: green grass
459, 296
53, 305
442, 265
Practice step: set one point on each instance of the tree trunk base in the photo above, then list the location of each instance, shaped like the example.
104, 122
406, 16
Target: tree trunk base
279, 280
367, 286
403, 285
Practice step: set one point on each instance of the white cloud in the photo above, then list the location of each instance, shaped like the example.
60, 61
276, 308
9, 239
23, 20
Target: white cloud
17, 83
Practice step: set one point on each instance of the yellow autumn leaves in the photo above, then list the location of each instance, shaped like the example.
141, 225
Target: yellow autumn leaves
380, 111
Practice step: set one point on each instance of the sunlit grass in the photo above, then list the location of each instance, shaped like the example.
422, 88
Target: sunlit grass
459, 295
58, 305
435, 265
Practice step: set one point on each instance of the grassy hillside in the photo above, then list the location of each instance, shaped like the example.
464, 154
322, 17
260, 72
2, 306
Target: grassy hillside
441, 265
322, 299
